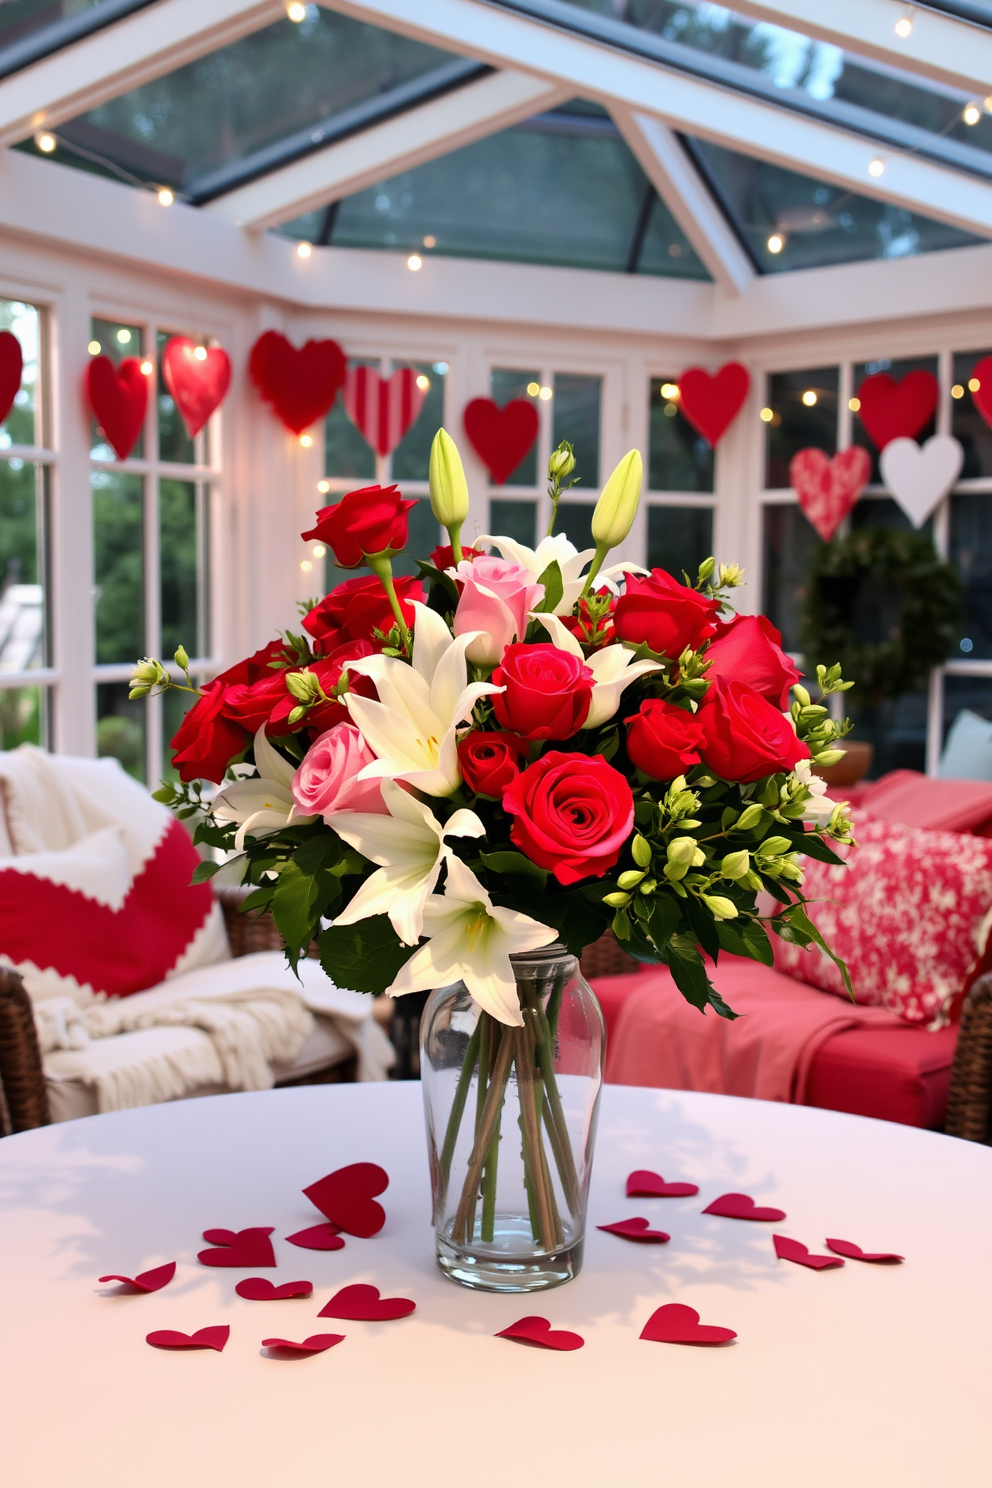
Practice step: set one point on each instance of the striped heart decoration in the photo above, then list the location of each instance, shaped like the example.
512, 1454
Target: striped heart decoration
381, 409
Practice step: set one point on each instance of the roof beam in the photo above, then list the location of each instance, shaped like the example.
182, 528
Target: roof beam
408, 139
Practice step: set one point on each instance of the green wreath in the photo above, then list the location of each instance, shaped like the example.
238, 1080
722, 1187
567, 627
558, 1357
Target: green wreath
883, 604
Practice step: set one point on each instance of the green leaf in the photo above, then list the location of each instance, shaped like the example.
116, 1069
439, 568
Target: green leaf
203, 871
293, 906
610, 744
259, 899
365, 957
554, 588
746, 938
665, 919
703, 926
813, 846
514, 864
313, 854
689, 975
795, 925
165, 793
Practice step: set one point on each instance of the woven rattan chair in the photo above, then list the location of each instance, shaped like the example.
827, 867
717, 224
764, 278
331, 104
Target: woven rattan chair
23, 1097
969, 1105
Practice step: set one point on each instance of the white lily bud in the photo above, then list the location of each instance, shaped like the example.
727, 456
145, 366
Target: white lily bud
561, 464
449, 488
735, 865
181, 659
617, 506
148, 673
719, 907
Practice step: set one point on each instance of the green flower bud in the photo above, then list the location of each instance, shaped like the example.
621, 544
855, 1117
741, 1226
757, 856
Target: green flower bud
148, 673
630, 880
449, 489
303, 685
616, 901
640, 851
295, 715
801, 695
561, 463
648, 886
735, 865
730, 576
616, 508
829, 757
705, 570
181, 659
138, 692
748, 818
772, 846
719, 907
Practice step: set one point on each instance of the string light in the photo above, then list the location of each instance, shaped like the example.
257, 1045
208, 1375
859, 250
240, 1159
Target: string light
296, 12
809, 398
318, 550
303, 250
414, 262
45, 142
957, 391
972, 113
669, 390
904, 26
533, 388
200, 352
123, 335
766, 415
876, 167
147, 369
854, 404
166, 197
423, 383
775, 243
973, 384
306, 440
545, 394
430, 241
323, 486
94, 348
306, 565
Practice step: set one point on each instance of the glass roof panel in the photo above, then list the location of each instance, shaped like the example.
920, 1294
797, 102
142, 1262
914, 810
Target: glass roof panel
30, 29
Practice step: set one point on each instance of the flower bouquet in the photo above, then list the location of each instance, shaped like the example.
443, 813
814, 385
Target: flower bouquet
456, 782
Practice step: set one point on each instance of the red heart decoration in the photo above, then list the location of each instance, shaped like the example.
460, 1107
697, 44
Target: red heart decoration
643, 1184
741, 1206
300, 384
676, 1323
198, 384
792, 1250
538, 1330
855, 1253
240, 1248
260, 1289
897, 410
315, 1344
712, 403
118, 397
318, 1237
383, 409
214, 1338
636, 1229
148, 1281
500, 436
981, 396
364, 1304
346, 1197
11, 368
828, 489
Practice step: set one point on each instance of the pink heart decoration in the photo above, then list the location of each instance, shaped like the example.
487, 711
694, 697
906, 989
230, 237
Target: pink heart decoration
828, 489
363, 1304
741, 1206
643, 1184
198, 384
636, 1229
537, 1330
500, 436
382, 410
148, 1281
11, 369
318, 1237
711, 403
855, 1253
792, 1250
315, 1344
212, 1338
676, 1323
260, 1289
347, 1198
118, 397
238, 1248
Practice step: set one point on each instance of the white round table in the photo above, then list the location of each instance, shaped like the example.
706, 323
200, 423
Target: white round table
866, 1375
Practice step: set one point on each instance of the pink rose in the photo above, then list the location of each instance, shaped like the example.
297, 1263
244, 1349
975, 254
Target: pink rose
325, 781
496, 597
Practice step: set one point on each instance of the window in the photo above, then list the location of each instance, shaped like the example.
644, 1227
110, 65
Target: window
801, 412
679, 458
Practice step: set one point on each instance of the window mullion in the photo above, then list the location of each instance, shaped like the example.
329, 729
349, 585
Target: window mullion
152, 569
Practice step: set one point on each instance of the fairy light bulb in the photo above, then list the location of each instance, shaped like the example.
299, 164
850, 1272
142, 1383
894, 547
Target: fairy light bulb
775, 243
304, 250
876, 167
904, 26
306, 440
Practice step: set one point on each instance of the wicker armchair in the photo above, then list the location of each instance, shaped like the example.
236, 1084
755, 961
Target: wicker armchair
23, 1097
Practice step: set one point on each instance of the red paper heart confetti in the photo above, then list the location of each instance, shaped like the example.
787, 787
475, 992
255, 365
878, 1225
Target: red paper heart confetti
347, 1198
198, 378
636, 1229
855, 1253
383, 409
363, 1304
643, 1184
318, 1237
828, 489
212, 1338
741, 1206
711, 403
148, 1281
676, 1323
500, 437
981, 396
260, 1289
537, 1330
11, 369
897, 410
238, 1248
301, 384
315, 1344
118, 397
793, 1250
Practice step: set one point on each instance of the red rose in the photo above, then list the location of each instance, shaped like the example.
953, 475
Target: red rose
744, 735
208, 739
663, 740
664, 613
489, 762
749, 649
444, 557
366, 521
572, 813
357, 607
327, 670
547, 695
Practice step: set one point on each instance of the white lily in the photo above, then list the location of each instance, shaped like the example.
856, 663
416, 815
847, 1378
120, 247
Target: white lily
471, 941
264, 802
555, 549
613, 668
412, 729
411, 845
819, 807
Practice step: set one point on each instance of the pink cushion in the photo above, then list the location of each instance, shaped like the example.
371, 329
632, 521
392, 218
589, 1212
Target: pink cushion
915, 800
892, 1074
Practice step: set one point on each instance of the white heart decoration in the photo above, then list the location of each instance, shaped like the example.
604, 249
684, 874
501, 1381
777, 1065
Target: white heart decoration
920, 476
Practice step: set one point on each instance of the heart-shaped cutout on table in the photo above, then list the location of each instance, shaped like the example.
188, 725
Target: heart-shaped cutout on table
501, 437
643, 1184
741, 1206
828, 489
204, 1338
537, 1330
363, 1304
238, 1248
318, 1237
897, 410
636, 1229
347, 1198
118, 397
711, 402
148, 1281
677, 1323
260, 1289
317, 1343
793, 1250
855, 1253
300, 383
383, 409
11, 371
197, 377
920, 476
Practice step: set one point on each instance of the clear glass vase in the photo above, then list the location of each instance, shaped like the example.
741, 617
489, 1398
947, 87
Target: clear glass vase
511, 1126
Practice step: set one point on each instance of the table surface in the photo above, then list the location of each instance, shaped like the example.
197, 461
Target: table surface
866, 1375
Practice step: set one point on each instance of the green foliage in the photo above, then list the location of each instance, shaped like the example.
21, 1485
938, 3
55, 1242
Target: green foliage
366, 957
554, 588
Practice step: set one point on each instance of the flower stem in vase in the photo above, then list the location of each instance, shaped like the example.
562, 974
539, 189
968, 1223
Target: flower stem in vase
483, 1137
484, 1027
455, 1118
492, 1162
534, 1160
553, 1114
